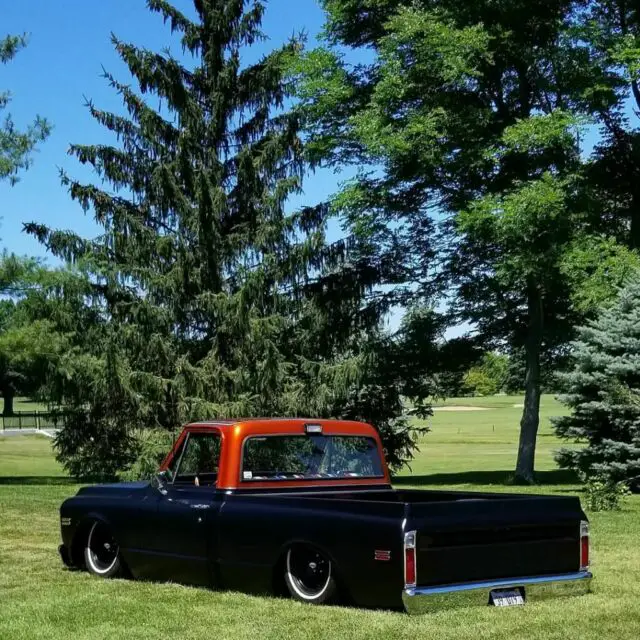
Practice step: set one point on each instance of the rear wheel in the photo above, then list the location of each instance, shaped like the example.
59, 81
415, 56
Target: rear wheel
102, 553
309, 576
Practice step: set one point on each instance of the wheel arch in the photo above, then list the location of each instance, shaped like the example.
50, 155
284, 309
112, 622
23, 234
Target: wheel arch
278, 570
81, 536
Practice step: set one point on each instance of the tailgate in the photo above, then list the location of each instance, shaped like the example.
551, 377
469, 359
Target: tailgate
493, 538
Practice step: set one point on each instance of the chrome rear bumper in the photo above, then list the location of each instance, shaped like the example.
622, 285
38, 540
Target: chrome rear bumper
425, 599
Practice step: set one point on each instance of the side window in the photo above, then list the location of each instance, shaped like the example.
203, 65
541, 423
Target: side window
199, 459
173, 465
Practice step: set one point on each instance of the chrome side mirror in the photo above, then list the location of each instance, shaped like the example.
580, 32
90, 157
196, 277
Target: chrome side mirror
160, 481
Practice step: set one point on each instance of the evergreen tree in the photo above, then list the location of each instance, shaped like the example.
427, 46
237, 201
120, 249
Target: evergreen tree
206, 298
603, 392
17, 146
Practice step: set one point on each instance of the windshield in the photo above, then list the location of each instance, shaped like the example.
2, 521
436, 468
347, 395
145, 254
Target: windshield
310, 457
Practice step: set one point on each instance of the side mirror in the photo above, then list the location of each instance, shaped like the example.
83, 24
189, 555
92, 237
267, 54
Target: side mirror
160, 481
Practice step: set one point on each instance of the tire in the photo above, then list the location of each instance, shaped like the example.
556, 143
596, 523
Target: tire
310, 576
101, 552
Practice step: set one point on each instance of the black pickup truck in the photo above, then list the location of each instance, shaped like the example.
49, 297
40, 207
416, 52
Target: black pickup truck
307, 509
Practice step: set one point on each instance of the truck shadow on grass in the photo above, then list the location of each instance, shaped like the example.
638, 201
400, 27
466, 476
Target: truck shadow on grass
36, 480
552, 477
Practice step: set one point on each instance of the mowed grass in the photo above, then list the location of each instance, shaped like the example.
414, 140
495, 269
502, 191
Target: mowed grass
40, 599
471, 447
24, 404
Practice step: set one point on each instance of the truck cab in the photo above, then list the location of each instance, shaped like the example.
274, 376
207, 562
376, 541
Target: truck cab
278, 454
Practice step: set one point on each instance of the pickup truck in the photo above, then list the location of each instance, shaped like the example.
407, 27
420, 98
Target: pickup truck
306, 508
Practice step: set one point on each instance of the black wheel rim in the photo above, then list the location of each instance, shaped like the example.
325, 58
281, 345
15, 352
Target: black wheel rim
309, 571
102, 547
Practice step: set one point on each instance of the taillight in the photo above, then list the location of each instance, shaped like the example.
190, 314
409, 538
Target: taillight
410, 559
584, 545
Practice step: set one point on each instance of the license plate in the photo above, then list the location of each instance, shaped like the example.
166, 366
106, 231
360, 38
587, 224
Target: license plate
506, 598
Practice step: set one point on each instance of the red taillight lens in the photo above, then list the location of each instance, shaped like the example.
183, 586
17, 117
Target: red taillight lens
584, 545
410, 559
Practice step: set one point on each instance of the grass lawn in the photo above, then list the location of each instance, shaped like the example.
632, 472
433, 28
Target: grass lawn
480, 447
24, 404
39, 599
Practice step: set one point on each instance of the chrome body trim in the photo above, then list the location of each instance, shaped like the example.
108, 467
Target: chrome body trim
426, 599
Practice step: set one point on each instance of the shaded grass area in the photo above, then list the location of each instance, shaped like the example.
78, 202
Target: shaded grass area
41, 600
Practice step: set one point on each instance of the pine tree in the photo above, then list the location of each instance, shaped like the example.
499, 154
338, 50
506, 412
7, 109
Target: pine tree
603, 392
208, 298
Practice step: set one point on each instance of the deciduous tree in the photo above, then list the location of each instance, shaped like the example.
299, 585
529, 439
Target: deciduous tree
468, 117
16, 146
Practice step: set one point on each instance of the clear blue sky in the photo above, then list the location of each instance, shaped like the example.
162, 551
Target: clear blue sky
69, 45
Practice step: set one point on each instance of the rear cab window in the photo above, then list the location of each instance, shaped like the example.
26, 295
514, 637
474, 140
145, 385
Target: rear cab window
310, 457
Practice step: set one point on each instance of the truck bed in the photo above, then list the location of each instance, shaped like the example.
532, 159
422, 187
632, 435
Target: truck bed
467, 536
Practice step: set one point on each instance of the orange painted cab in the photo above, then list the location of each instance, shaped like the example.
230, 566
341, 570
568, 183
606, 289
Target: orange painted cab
234, 434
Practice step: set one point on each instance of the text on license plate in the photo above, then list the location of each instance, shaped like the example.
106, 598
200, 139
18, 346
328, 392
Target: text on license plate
506, 597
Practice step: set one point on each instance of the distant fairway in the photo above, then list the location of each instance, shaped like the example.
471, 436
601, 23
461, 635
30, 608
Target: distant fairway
471, 447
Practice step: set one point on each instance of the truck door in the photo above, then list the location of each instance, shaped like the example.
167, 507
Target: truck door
184, 539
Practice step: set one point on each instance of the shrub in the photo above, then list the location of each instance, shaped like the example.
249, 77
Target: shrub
488, 377
602, 494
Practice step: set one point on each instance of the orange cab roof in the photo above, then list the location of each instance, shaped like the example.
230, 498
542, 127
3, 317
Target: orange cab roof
276, 425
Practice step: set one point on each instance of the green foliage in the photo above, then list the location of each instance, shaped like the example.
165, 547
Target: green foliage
203, 296
479, 383
612, 30
604, 495
16, 147
601, 389
30, 345
448, 117
595, 268
489, 376
149, 448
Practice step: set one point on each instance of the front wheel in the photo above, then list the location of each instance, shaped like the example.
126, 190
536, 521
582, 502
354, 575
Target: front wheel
309, 576
102, 553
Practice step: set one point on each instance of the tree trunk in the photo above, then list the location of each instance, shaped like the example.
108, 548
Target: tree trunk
531, 413
8, 403
634, 231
